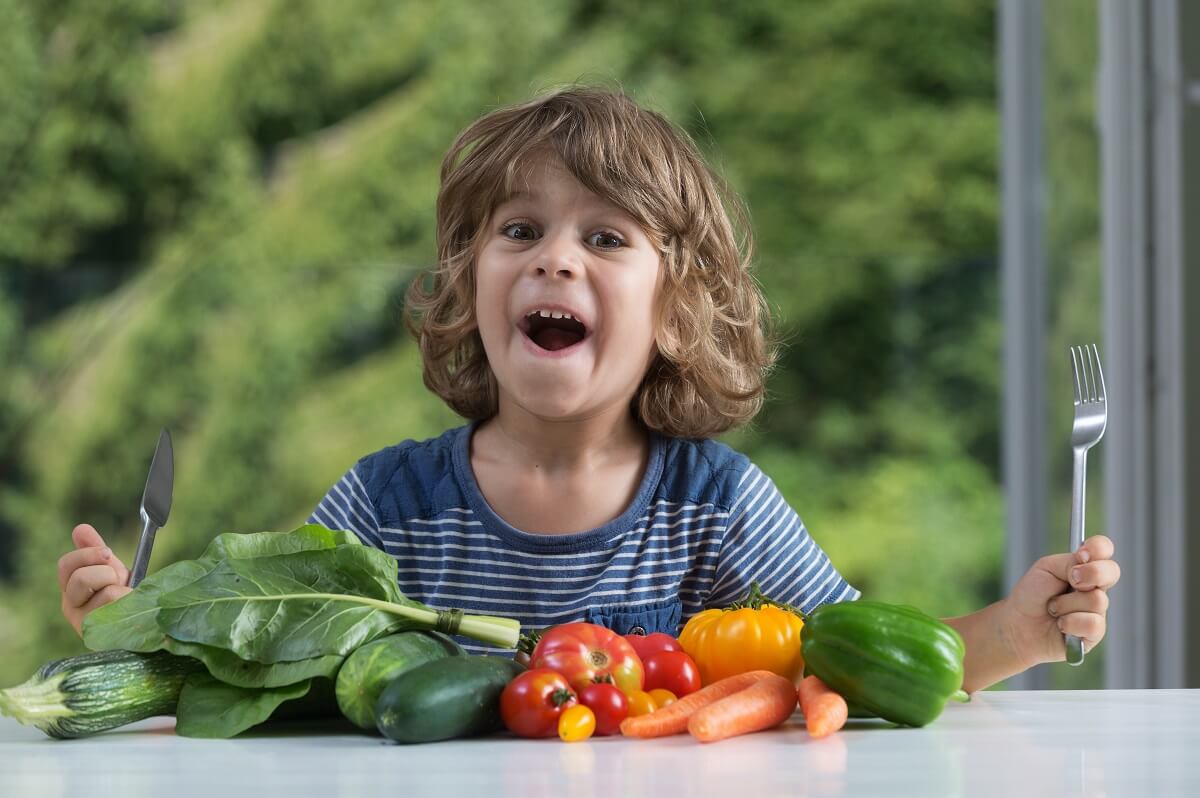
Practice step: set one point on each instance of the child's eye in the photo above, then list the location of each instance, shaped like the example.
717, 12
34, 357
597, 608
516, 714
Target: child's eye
518, 231
605, 240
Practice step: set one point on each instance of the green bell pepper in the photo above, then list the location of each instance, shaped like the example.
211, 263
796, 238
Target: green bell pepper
890, 660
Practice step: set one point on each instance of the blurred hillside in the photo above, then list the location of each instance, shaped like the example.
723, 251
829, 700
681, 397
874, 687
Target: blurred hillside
209, 212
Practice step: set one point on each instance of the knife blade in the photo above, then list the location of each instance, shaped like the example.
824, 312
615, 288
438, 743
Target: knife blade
156, 504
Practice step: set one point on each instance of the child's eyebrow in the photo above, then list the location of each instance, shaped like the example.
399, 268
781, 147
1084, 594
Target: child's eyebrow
599, 203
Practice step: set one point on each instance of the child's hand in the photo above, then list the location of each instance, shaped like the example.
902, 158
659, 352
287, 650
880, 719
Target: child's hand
1040, 612
90, 576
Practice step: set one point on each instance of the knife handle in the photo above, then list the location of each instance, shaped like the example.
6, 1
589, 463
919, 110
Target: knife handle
141, 559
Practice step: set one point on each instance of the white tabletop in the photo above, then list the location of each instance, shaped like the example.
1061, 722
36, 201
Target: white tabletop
1024, 744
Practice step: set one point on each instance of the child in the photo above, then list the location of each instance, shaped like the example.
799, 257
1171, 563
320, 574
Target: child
592, 314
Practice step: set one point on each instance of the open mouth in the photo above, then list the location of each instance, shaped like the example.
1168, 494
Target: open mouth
552, 330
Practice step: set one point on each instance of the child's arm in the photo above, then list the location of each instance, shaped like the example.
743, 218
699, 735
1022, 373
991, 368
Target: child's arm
1060, 593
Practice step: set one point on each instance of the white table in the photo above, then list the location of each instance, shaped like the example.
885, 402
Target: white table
1022, 744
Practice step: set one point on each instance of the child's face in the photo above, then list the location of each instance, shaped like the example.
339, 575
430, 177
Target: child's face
557, 247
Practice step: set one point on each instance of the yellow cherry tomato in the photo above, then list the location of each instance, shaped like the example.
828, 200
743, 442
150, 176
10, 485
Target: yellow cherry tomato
576, 723
661, 697
640, 703
753, 635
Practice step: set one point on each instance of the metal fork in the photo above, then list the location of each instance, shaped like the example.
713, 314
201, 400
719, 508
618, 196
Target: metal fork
1091, 417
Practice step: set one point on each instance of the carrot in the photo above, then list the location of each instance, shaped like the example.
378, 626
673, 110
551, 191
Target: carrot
824, 710
673, 718
766, 703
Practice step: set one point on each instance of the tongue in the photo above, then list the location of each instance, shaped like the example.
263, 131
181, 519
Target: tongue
554, 339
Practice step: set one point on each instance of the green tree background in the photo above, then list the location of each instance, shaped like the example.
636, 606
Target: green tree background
209, 213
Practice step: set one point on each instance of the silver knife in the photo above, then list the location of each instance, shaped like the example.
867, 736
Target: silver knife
156, 504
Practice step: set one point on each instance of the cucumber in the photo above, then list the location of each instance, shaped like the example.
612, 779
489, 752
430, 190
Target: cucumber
369, 668
445, 699
101, 690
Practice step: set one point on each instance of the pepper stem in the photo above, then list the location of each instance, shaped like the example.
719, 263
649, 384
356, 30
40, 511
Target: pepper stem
756, 599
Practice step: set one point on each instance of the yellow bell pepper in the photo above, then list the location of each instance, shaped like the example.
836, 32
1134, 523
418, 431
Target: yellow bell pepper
755, 634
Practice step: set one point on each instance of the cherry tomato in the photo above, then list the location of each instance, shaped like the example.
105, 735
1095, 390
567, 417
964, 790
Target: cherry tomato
609, 704
640, 703
586, 653
577, 723
661, 697
648, 645
533, 702
674, 671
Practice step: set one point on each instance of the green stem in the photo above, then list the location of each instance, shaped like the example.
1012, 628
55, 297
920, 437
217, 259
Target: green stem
756, 599
486, 628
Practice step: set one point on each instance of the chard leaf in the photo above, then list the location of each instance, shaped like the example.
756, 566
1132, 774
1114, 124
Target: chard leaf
210, 708
131, 622
233, 670
247, 545
292, 607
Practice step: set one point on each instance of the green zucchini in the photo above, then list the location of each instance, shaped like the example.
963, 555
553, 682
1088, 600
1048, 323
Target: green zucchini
445, 699
369, 668
98, 691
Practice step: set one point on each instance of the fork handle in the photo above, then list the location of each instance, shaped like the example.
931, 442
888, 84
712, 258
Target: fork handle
1078, 495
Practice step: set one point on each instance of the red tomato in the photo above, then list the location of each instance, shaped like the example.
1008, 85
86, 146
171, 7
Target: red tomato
651, 644
610, 705
587, 653
532, 703
674, 671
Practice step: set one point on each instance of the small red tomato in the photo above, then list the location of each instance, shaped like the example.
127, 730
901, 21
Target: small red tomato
648, 645
674, 671
610, 705
532, 703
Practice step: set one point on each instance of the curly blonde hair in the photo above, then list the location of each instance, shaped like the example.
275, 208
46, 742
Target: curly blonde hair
714, 345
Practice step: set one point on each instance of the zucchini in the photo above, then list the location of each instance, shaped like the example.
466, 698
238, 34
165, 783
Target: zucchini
369, 668
98, 691
445, 699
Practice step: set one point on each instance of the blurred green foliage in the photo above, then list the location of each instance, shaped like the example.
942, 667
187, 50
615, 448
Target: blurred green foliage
209, 213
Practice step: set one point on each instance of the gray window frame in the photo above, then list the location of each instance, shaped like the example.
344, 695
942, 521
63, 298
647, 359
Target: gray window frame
1149, 126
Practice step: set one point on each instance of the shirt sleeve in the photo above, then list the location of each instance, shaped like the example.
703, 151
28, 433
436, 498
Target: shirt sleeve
766, 542
347, 506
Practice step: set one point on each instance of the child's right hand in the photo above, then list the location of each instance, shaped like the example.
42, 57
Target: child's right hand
90, 576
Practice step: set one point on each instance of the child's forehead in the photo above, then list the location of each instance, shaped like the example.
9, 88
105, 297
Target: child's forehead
543, 178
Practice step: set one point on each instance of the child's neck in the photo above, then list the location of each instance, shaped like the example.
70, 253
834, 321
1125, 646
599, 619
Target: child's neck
561, 446
558, 477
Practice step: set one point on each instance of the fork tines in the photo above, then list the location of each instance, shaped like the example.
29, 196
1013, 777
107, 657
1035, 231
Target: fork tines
1089, 377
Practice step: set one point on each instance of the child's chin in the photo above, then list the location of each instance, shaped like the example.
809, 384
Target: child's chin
555, 404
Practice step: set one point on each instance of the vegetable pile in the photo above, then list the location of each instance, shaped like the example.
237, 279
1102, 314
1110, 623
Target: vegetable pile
312, 624
260, 619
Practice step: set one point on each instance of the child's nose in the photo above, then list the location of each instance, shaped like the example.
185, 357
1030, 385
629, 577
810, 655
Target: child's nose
558, 258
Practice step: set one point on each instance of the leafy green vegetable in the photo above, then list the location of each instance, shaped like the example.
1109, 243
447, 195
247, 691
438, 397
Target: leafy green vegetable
131, 622
248, 545
210, 708
291, 606
266, 613
232, 669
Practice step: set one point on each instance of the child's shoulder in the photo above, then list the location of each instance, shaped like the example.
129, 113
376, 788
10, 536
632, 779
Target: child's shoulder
703, 470
411, 472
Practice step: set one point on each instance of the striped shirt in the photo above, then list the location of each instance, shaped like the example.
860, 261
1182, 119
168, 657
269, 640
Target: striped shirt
705, 523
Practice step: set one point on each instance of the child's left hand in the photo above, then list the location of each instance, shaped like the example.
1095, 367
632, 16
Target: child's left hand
1039, 611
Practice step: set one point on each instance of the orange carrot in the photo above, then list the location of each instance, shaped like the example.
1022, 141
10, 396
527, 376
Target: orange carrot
824, 710
673, 718
766, 703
